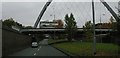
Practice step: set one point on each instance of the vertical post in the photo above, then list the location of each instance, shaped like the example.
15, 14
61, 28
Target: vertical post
100, 29
94, 38
54, 19
100, 24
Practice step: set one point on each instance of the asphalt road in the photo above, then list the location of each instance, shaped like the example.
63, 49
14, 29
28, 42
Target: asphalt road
42, 50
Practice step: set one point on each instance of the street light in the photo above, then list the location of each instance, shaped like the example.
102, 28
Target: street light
54, 19
94, 39
101, 26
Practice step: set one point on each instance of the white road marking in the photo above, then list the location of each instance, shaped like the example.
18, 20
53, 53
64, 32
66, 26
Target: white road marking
34, 54
38, 48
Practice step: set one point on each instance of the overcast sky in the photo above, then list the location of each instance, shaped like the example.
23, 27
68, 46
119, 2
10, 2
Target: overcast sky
27, 12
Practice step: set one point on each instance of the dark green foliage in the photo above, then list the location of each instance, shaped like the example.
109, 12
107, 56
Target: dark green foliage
10, 22
118, 27
18, 24
88, 30
70, 26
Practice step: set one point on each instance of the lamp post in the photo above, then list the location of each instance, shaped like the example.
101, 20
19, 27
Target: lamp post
100, 29
54, 19
101, 26
94, 38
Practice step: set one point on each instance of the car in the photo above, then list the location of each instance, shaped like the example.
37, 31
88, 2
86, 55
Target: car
34, 44
47, 36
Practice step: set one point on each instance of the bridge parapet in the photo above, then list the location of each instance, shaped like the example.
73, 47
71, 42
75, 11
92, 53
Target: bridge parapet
59, 30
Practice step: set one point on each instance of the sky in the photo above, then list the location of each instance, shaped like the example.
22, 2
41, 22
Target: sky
26, 12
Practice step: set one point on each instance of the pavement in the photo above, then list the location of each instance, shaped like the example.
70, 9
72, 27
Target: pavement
42, 50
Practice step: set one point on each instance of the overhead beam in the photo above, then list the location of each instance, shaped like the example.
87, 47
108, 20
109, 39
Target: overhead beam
110, 10
41, 13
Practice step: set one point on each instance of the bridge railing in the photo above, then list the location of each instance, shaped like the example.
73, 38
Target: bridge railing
57, 29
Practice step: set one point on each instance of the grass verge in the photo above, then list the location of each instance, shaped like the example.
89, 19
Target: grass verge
52, 41
85, 48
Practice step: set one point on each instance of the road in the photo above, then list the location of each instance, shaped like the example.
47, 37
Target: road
42, 50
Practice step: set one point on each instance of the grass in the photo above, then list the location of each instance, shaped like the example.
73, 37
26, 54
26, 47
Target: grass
55, 40
85, 48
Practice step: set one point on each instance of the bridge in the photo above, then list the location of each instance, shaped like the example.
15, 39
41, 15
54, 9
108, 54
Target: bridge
58, 30
15, 40
38, 30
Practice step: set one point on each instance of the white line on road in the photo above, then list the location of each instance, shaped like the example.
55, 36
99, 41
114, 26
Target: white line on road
38, 48
34, 54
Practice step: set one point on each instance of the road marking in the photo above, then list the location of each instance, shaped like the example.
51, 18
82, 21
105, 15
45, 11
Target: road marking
34, 54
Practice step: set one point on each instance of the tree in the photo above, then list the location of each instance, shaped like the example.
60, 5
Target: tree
70, 26
113, 24
118, 23
118, 26
10, 22
18, 25
88, 30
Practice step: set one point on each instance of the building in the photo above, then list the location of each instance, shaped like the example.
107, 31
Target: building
59, 22
51, 24
103, 25
48, 24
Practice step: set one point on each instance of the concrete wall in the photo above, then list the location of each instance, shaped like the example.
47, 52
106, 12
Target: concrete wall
13, 41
